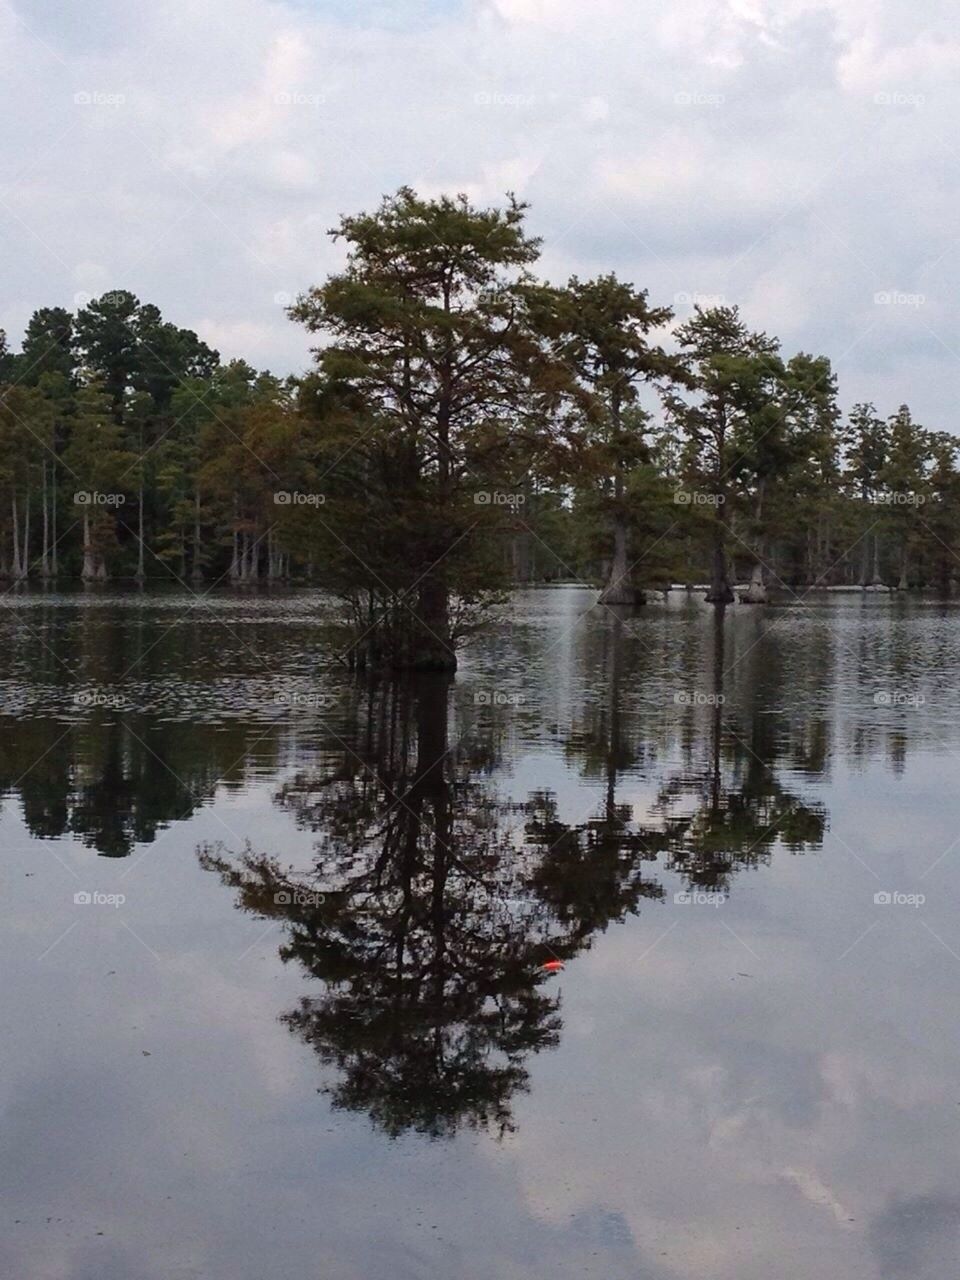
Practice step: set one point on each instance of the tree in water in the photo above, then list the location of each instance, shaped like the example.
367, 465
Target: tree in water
433, 379
734, 376
603, 335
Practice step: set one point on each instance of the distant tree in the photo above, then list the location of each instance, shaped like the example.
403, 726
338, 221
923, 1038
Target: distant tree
866, 441
99, 466
604, 328
106, 342
735, 376
905, 490
940, 517
47, 346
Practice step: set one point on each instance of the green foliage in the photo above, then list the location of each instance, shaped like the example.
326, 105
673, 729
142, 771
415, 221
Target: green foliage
465, 427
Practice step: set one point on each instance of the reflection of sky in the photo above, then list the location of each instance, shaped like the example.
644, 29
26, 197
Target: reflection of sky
767, 1088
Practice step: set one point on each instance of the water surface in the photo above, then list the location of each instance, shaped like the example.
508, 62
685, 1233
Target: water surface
633, 951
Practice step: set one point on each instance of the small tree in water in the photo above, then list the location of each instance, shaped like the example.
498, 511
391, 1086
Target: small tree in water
430, 383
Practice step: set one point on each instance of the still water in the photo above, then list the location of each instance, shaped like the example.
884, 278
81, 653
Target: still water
633, 951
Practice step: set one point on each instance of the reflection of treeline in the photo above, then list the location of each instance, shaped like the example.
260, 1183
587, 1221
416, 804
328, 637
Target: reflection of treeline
116, 780
113, 773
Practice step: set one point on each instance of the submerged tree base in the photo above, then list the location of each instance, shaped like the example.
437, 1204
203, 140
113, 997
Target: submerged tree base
393, 655
623, 597
385, 664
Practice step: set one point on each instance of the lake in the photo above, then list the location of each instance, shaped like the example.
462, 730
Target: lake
632, 951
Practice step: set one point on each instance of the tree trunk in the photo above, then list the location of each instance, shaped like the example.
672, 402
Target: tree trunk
756, 592
620, 589
45, 554
876, 581
53, 519
140, 574
26, 538
197, 571
89, 570
428, 631
16, 566
720, 592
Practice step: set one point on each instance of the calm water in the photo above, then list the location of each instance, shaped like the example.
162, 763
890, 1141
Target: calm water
303, 1027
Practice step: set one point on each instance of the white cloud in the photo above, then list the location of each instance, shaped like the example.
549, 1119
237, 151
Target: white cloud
732, 147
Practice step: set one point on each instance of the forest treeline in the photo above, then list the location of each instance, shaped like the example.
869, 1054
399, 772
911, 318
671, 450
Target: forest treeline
465, 426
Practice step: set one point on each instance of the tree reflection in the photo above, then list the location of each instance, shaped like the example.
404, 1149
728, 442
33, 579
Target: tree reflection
729, 806
732, 808
594, 869
428, 916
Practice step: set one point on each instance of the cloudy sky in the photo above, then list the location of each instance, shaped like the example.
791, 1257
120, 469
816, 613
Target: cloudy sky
798, 157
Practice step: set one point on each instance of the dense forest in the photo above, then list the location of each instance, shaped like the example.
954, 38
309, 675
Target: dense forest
465, 426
